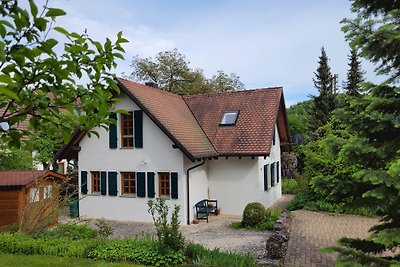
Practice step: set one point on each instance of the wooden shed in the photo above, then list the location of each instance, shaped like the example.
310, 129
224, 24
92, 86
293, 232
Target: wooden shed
30, 197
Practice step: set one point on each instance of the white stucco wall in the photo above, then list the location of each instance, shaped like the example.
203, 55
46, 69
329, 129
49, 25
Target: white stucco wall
198, 182
269, 197
157, 155
233, 182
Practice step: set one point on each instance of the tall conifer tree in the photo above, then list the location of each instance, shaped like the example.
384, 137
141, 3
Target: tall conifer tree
354, 75
325, 102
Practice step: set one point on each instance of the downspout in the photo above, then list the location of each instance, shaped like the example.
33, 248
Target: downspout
188, 188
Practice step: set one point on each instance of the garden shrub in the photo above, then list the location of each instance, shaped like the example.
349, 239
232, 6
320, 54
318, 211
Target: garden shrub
271, 215
141, 251
202, 256
168, 233
105, 230
72, 231
289, 186
253, 214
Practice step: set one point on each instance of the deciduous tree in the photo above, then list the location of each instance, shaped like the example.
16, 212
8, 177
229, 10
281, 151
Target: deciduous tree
171, 71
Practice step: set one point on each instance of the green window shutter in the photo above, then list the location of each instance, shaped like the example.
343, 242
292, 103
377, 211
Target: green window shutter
277, 172
103, 183
138, 126
150, 185
272, 174
265, 177
112, 184
273, 137
112, 133
174, 185
141, 184
84, 182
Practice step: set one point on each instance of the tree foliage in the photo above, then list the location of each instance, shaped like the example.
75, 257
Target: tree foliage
325, 102
357, 160
171, 71
37, 84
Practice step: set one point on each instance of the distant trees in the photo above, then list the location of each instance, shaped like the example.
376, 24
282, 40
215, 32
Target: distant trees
171, 71
324, 103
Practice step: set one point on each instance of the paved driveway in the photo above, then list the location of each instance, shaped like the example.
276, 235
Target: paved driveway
311, 231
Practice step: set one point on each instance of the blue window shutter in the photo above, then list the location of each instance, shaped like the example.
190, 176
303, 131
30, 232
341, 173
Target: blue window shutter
103, 183
112, 184
138, 126
84, 182
141, 184
265, 177
174, 185
272, 174
277, 172
150, 185
112, 132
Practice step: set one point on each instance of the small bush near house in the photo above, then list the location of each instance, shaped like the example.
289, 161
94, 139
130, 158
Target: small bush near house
289, 186
104, 229
253, 214
266, 223
202, 256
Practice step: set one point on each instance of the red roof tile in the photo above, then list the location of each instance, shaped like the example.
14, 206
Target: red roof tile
170, 112
253, 131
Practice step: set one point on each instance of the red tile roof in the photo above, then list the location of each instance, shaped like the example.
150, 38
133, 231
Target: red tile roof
253, 131
170, 112
15, 178
193, 122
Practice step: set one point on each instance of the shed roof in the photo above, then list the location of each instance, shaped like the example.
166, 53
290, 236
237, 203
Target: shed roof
16, 178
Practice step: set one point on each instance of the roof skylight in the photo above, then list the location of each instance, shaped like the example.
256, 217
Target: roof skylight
229, 118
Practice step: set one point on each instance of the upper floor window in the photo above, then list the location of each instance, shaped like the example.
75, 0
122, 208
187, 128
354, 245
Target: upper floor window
95, 182
127, 129
229, 118
128, 183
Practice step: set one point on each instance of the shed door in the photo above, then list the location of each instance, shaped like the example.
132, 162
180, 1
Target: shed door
8, 207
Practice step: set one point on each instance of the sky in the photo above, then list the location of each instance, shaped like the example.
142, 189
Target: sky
267, 43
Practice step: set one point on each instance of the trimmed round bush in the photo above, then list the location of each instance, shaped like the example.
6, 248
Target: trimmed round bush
253, 214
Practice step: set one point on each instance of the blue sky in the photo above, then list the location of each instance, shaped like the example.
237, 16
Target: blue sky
266, 42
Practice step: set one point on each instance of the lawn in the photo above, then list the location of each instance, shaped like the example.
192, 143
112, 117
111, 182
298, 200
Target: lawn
14, 260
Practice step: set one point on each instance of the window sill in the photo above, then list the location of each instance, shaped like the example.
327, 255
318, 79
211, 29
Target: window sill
128, 196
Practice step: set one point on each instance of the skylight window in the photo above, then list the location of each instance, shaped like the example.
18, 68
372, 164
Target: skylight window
229, 118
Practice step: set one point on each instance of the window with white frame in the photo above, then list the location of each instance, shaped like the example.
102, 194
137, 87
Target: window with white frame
47, 191
34, 194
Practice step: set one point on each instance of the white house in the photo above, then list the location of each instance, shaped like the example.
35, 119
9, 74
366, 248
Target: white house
223, 146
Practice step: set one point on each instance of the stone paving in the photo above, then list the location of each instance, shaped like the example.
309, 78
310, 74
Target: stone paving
310, 231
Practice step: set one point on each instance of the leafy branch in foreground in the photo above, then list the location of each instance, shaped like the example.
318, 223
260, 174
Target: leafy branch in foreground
38, 84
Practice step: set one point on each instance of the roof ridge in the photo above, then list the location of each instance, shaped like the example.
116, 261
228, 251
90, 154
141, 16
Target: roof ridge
150, 87
234, 92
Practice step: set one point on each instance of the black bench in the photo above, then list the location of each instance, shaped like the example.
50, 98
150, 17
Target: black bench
205, 207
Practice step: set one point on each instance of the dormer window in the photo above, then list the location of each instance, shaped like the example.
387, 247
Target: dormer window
229, 118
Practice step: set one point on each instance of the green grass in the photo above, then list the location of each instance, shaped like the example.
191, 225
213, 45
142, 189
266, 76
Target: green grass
15, 260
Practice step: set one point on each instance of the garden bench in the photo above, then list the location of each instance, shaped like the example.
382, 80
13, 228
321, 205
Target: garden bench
205, 207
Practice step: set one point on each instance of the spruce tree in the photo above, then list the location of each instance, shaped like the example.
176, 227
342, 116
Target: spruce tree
325, 102
354, 75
